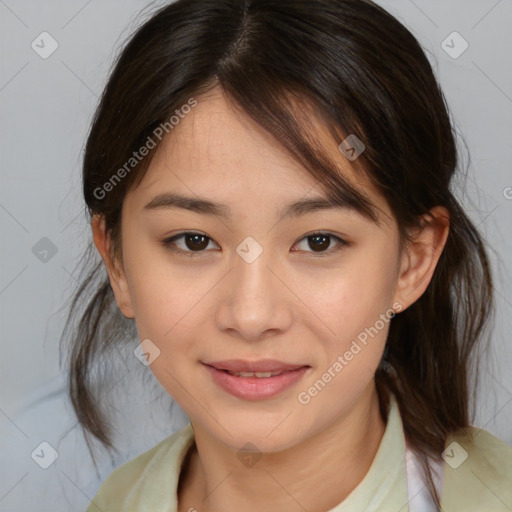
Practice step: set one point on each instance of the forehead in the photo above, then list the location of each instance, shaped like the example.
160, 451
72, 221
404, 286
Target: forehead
217, 150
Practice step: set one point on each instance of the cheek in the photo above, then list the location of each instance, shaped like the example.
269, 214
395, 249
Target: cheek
351, 298
357, 308
168, 305
164, 295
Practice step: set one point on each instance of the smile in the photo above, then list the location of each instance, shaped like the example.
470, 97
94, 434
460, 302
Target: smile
255, 380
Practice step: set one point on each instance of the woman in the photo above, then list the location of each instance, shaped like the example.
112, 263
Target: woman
269, 189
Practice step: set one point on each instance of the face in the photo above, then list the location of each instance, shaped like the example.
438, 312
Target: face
246, 287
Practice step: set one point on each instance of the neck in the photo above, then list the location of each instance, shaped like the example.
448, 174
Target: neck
318, 474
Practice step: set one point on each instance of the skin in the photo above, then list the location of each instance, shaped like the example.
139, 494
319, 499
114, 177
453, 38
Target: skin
289, 304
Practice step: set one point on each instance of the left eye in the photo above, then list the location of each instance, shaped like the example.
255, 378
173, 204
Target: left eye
191, 243
319, 242
194, 242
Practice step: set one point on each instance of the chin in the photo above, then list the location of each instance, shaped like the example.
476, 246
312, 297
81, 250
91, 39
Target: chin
266, 438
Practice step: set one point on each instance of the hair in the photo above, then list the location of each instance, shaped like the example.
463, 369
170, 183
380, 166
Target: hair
362, 72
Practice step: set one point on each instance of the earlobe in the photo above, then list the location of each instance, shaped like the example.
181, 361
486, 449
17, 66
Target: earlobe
421, 255
115, 273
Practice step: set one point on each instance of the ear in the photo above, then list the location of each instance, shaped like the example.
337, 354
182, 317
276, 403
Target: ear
419, 257
114, 268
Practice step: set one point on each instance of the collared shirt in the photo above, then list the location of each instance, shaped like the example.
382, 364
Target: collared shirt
477, 476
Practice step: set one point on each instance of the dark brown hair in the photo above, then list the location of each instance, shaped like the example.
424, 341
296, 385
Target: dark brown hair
363, 73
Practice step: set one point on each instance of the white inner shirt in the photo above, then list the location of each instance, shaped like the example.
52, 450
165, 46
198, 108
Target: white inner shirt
419, 496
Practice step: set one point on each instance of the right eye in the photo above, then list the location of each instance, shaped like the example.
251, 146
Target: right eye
189, 243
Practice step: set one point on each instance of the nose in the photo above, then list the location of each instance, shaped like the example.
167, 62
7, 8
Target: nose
254, 301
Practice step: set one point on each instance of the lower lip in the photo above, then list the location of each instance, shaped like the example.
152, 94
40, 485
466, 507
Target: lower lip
254, 388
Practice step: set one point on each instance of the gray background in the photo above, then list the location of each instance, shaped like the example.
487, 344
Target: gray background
46, 107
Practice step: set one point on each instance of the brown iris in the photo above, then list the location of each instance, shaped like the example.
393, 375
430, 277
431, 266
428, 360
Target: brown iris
195, 241
321, 242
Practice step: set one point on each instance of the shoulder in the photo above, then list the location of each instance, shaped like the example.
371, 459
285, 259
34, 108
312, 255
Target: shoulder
478, 472
128, 481
484, 451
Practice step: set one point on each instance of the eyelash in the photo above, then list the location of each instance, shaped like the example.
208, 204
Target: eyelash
169, 243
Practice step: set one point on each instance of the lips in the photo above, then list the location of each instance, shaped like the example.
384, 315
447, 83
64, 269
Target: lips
255, 380
259, 375
262, 366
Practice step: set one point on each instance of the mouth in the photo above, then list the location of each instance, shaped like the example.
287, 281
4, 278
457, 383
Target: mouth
258, 375
255, 380
261, 366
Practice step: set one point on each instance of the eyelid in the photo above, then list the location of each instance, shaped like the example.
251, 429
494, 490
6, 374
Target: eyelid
168, 243
341, 243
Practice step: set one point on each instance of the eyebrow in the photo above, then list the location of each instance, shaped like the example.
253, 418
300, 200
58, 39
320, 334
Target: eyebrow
207, 207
